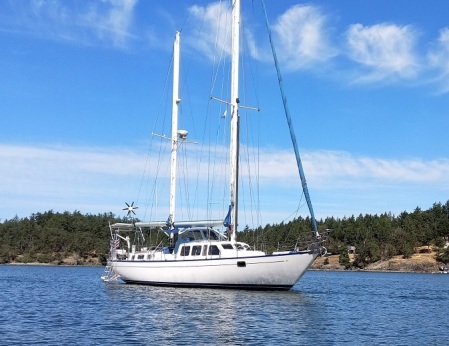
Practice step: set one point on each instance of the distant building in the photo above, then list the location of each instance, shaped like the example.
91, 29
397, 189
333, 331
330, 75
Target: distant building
351, 249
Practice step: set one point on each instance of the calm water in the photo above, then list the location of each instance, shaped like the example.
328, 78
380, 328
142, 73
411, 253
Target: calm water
72, 306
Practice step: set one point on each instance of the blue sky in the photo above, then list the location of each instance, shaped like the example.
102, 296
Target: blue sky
367, 83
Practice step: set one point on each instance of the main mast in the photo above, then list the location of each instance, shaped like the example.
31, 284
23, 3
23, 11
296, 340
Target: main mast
234, 145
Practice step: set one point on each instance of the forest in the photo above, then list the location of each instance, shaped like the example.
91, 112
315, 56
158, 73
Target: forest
50, 237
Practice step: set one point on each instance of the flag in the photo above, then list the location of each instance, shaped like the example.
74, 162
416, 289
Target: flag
115, 242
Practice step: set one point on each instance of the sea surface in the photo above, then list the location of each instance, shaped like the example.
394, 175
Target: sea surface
55, 305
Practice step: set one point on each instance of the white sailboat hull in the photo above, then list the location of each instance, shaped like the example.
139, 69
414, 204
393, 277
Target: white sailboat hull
277, 271
205, 253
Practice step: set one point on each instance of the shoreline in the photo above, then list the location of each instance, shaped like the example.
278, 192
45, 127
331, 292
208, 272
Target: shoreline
311, 269
31, 264
434, 269
423, 261
420, 262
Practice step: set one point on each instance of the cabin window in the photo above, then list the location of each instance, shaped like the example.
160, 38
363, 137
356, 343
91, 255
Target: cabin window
227, 246
140, 257
213, 250
185, 250
212, 235
196, 234
196, 250
186, 237
192, 235
242, 246
204, 250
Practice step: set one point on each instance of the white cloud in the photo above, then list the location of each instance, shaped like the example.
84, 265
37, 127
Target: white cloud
302, 37
327, 170
111, 21
106, 22
46, 175
214, 21
100, 180
384, 50
439, 59
345, 168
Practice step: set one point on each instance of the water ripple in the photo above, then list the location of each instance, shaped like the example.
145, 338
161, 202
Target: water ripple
70, 305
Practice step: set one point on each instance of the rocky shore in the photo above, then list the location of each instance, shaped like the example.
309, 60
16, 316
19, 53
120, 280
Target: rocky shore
420, 262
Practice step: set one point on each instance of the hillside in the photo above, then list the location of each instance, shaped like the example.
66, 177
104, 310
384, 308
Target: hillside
71, 238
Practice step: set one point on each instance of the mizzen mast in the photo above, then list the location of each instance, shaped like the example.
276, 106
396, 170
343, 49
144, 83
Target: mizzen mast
175, 135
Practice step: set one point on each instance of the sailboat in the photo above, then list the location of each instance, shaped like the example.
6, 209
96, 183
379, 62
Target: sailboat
206, 253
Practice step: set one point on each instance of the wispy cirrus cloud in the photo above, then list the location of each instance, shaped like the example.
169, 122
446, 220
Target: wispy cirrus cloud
334, 169
107, 22
111, 20
213, 36
438, 58
338, 166
385, 51
40, 178
214, 21
302, 37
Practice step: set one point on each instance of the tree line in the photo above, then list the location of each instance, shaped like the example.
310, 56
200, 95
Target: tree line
375, 237
50, 237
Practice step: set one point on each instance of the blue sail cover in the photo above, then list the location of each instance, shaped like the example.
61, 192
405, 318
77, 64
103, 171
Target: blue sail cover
227, 220
290, 126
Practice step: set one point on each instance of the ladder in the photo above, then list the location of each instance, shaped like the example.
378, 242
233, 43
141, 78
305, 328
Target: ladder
109, 274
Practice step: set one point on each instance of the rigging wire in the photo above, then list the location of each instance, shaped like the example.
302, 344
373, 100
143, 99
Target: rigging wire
212, 176
152, 196
249, 68
216, 173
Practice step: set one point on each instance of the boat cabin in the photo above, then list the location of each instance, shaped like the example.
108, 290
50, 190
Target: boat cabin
191, 243
197, 234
